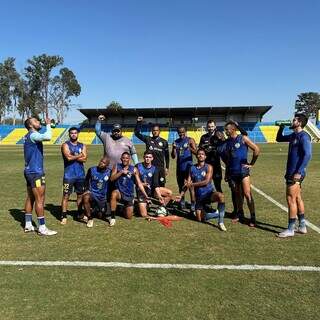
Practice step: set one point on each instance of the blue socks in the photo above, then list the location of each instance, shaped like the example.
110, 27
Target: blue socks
219, 214
302, 220
291, 224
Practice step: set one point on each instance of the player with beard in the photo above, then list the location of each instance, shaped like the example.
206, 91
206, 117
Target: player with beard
125, 176
159, 148
299, 155
74, 154
238, 168
34, 174
95, 197
115, 144
149, 176
200, 180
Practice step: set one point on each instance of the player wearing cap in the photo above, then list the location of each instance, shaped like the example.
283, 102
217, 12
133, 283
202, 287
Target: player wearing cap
74, 154
299, 155
115, 144
159, 148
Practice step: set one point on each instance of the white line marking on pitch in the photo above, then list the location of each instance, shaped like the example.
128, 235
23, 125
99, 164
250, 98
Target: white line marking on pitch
89, 264
279, 205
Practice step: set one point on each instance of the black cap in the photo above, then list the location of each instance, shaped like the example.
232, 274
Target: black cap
116, 126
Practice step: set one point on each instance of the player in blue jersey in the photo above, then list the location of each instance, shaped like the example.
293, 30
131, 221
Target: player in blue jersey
238, 168
34, 174
149, 176
74, 154
125, 177
182, 149
97, 184
200, 179
299, 155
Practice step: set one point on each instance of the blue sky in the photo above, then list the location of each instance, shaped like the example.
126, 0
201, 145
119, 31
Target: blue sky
155, 53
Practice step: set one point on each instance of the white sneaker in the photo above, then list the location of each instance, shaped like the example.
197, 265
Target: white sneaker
63, 221
90, 223
286, 233
302, 230
112, 222
46, 232
222, 227
29, 229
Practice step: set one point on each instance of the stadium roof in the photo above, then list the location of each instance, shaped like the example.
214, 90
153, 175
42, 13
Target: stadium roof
159, 112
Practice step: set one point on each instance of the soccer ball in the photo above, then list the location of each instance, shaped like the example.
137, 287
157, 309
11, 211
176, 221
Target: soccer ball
161, 212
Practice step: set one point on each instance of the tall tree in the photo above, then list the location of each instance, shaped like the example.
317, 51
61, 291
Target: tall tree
309, 104
5, 101
64, 87
39, 77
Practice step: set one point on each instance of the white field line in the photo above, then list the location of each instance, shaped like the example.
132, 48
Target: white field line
88, 264
279, 205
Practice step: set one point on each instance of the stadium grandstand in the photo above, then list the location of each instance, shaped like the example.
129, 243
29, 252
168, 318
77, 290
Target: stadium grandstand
169, 118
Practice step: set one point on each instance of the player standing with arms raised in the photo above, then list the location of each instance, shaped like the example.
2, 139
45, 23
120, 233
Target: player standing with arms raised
299, 155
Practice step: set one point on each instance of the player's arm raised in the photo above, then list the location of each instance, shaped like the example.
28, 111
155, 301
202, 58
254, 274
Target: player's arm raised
101, 134
66, 152
137, 130
254, 148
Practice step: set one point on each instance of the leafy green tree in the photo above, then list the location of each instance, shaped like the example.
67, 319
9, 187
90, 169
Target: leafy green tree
309, 104
64, 87
39, 77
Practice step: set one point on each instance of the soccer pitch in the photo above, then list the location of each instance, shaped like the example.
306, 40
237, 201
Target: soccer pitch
77, 292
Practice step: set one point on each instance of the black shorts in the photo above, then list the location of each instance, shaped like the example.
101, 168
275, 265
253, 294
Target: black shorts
126, 201
140, 196
73, 185
203, 202
162, 177
290, 181
237, 179
35, 180
98, 205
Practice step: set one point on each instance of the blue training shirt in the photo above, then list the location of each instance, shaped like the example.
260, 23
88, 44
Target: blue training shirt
184, 154
73, 169
125, 183
299, 153
237, 156
197, 175
33, 155
99, 182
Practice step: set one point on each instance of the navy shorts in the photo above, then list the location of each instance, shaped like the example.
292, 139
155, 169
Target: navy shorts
126, 201
35, 180
98, 204
181, 176
237, 179
202, 202
162, 177
290, 181
73, 185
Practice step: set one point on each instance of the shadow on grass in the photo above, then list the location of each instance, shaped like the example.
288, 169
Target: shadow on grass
18, 215
55, 211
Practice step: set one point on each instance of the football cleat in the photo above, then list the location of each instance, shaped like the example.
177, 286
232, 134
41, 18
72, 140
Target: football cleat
63, 221
302, 230
112, 222
286, 233
90, 223
46, 232
222, 227
29, 229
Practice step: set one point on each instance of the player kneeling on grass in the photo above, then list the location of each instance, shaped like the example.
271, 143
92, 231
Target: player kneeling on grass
97, 183
149, 176
200, 179
125, 177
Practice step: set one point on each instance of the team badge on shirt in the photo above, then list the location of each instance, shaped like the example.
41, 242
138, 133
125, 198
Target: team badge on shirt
203, 173
150, 174
237, 145
160, 144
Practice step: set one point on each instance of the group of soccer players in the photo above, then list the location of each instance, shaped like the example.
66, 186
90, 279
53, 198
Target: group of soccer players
112, 183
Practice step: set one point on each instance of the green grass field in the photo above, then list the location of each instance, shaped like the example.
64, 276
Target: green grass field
118, 293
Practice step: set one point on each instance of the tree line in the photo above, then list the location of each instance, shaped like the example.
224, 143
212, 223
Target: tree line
38, 90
